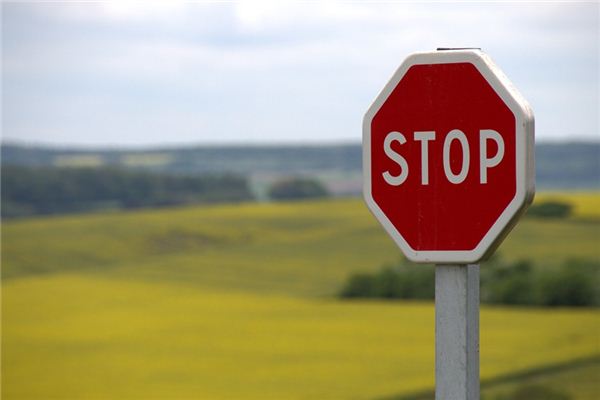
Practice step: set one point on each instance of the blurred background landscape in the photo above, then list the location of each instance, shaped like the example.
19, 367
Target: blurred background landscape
182, 214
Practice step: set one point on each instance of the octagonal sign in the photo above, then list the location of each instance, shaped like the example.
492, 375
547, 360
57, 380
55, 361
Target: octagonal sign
448, 156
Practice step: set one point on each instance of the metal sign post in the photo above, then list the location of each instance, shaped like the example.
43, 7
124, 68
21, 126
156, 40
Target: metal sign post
457, 332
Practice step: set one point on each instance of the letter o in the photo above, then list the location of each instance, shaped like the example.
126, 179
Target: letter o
456, 134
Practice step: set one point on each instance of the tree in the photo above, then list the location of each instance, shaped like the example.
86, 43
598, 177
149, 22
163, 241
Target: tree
575, 283
296, 189
550, 209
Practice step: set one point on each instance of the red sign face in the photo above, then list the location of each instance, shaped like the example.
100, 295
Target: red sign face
448, 156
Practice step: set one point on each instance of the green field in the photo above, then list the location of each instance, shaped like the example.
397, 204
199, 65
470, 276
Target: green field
235, 302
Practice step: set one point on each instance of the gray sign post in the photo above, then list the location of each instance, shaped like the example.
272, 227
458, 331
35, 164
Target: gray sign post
457, 332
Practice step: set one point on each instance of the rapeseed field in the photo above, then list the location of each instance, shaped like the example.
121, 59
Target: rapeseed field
239, 302
72, 336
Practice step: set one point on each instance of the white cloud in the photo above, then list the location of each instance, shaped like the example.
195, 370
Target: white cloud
239, 71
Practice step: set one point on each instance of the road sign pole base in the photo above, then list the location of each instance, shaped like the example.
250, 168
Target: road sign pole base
457, 332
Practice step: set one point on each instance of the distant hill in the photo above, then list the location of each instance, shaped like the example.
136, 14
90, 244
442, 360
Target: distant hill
568, 165
200, 159
559, 165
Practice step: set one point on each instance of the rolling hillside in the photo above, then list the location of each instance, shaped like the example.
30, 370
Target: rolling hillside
236, 302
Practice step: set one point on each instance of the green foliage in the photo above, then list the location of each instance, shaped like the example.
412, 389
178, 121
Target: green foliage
402, 281
27, 191
360, 285
512, 284
550, 209
574, 283
297, 188
534, 392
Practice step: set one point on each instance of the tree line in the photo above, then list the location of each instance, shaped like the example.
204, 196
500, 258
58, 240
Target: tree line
30, 191
576, 282
58, 190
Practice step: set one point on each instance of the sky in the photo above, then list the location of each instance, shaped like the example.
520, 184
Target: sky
131, 73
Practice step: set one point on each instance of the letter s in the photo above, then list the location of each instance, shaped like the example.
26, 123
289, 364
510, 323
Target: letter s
387, 148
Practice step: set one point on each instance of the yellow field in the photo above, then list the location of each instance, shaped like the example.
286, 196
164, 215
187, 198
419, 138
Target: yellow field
585, 204
238, 302
305, 249
70, 336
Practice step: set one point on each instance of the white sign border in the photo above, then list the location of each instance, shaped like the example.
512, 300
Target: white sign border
525, 169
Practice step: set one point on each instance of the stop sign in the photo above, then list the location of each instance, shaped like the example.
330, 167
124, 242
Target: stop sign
448, 156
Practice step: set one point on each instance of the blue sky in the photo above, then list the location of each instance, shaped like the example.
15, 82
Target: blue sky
129, 73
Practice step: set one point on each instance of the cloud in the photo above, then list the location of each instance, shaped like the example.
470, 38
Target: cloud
261, 71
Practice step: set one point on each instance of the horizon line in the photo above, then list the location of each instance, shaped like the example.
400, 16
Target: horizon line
232, 144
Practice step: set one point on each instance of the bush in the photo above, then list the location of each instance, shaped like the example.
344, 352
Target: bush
402, 281
550, 209
508, 283
575, 283
359, 285
297, 188
417, 282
